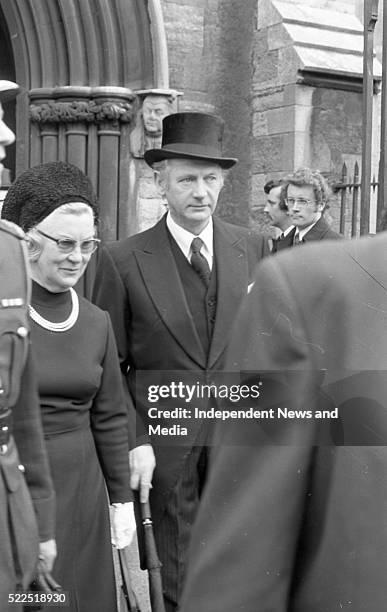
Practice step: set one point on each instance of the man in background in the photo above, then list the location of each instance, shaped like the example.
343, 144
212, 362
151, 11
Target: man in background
278, 212
306, 195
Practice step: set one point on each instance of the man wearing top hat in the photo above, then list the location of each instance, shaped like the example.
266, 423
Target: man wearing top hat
172, 293
26, 515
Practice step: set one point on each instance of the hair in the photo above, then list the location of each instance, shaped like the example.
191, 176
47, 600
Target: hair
161, 171
310, 178
160, 166
76, 208
273, 184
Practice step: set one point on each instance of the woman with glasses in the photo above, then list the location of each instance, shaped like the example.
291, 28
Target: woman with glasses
81, 394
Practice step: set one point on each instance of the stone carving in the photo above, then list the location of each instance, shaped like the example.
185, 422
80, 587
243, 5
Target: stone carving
148, 131
82, 111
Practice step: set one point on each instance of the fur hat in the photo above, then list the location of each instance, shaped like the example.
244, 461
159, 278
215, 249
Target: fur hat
40, 190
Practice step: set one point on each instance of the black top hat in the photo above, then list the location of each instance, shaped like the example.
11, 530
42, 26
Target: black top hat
8, 90
191, 136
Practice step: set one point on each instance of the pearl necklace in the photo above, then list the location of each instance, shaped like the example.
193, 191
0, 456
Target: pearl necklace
64, 325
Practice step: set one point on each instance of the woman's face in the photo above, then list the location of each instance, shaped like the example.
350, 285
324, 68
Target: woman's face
53, 269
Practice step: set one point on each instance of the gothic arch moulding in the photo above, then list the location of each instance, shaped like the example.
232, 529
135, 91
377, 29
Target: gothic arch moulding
79, 63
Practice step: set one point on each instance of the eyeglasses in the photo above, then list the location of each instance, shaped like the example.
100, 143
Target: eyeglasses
66, 245
299, 201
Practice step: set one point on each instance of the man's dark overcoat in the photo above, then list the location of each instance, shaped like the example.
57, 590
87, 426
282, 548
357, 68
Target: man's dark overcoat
139, 284
321, 231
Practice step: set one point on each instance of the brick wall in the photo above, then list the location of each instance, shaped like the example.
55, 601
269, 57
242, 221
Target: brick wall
210, 47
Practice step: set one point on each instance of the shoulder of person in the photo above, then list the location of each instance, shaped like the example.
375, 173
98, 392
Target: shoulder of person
12, 228
326, 230
119, 249
239, 230
92, 311
335, 235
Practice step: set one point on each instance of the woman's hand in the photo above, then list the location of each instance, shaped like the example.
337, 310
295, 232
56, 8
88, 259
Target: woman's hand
123, 524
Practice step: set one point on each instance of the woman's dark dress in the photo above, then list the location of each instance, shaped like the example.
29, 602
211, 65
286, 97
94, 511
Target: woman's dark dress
85, 425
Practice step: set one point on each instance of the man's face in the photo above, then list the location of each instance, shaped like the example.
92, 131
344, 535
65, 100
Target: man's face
191, 188
278, 216
154, 109
302, 205
7, 137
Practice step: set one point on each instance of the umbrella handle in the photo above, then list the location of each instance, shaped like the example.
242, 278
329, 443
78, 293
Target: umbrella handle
146, 512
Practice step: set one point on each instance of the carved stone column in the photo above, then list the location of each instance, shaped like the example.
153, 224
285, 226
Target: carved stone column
88, 127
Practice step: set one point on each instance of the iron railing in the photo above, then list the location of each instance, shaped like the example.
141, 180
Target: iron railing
349, 192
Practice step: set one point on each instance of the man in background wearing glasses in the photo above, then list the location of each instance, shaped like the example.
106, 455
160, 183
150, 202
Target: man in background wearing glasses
306, 195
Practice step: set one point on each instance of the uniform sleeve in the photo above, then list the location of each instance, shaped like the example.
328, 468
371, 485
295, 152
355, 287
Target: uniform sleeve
109, 424
29, 439
110, 294
245, 537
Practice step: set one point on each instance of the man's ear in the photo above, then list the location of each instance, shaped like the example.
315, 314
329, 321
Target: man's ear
160, 183
321, 207
34, 248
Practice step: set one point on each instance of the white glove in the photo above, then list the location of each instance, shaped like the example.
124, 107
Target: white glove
123, 524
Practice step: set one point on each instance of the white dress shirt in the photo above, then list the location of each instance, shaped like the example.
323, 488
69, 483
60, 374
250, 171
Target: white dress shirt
286, 232
184, 239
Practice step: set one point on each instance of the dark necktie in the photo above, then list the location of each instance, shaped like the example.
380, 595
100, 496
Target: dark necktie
297, 240
199, 262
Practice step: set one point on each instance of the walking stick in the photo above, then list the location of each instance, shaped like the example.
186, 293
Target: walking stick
152, 562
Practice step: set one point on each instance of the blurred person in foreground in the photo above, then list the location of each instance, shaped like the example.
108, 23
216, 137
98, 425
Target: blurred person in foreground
292, 521
81, 395
27, 515
277, 211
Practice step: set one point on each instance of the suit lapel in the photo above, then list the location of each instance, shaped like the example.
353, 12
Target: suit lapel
232, 281
317, 231
162, 280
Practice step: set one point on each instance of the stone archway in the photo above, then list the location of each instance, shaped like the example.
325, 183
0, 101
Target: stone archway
79, 63
7, 72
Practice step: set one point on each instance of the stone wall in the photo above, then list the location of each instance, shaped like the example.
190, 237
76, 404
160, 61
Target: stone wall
210, 46
244, 61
